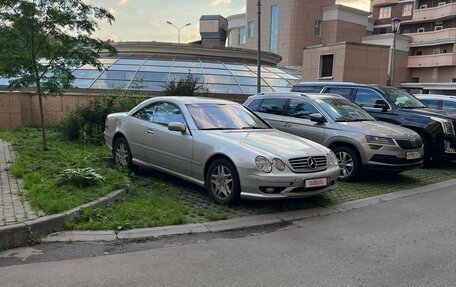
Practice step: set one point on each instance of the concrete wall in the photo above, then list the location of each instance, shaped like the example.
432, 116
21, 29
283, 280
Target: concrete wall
22, 108
355, 62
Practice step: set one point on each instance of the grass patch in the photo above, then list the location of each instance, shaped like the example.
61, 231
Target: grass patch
156, 199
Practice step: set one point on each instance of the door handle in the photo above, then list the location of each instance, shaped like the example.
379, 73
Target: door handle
150, 131
287, 125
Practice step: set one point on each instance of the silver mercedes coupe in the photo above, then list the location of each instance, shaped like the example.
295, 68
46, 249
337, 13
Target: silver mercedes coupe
222, 146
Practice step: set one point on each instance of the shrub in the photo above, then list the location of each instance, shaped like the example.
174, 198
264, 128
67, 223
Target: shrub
188, 87
80, 177
87, 122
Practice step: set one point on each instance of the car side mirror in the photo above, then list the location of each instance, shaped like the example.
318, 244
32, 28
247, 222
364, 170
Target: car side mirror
177, 127
381, 104
317, 117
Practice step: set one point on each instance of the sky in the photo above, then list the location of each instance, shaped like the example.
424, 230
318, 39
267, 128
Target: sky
145, 20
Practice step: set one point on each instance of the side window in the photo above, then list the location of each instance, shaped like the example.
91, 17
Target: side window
273, 106
366, 98
167, 113
255, 104
430, 103
307, 89
449, 106
344, 92
300, 109
146, 113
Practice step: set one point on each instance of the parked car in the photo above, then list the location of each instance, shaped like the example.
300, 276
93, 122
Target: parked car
396, 106
220, 145
439, 102
358, 139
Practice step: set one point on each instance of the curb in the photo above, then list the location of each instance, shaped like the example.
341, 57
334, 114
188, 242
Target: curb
238, 223
31, 231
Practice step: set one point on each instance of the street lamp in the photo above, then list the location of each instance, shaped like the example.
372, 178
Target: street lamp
259, 49
178, 29
395, 23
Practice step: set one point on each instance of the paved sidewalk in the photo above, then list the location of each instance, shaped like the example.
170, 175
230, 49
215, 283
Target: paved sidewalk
13, 208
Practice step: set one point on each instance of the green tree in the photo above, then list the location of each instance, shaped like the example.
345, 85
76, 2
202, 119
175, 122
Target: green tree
188, 87
42, 40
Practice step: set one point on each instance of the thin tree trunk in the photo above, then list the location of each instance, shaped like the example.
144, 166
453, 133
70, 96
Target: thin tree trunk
43, 128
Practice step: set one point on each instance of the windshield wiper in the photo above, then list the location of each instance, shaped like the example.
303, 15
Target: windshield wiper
254, 128
219, 129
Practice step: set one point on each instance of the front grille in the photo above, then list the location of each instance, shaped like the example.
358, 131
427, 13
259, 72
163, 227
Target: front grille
410, 144
390, 159
309, 163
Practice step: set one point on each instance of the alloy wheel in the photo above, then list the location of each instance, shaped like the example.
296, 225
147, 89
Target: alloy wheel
122, 155
222, 182
345, 163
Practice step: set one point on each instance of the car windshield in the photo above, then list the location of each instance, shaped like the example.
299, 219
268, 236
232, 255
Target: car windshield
342, 110
402, 99
224, 117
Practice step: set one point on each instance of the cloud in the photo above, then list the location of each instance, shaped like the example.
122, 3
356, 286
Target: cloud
122, 2
219, 2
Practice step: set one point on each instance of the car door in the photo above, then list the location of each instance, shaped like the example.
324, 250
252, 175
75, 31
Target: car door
296, 121
169, 149
271, 110
366, 99
135, 129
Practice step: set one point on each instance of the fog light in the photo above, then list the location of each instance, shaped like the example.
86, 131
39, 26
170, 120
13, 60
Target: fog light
270, 190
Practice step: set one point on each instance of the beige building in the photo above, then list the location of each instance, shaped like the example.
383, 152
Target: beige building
308, 32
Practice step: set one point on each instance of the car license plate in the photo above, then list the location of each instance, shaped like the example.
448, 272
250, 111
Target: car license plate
413, 155
317, 182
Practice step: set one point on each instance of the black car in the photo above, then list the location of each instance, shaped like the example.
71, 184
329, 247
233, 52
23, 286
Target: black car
393, 105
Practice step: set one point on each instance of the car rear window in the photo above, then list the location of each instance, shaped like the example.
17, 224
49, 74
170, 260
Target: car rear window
273, 106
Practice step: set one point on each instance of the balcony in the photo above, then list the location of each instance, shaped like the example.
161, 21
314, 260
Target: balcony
434, 13
426, 61
384, 2
432, 37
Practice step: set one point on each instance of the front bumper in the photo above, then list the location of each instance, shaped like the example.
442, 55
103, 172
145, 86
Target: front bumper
287, 184
392, 158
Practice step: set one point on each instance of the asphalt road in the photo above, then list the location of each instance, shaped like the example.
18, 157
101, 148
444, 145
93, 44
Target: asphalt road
405, 242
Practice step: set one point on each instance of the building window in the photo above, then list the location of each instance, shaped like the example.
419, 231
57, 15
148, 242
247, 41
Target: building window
251, 29
229, 39
438, 28
407, 9
274, 29
326, 66
242, 35
385, 12
317, 28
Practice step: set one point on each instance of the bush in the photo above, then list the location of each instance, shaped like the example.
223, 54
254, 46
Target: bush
188, 87
87, 122
80, 177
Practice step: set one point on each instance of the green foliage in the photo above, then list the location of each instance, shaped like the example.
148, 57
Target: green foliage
80, 177
86, 123
188, 87
42, 41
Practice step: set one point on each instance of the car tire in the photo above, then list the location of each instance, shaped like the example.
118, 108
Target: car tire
349, 162
121, 154
222, 182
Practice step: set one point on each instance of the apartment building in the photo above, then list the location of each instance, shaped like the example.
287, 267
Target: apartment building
431, 27
310, 35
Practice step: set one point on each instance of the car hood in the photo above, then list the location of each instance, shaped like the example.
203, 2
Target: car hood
378, 128
271, 142
432, 113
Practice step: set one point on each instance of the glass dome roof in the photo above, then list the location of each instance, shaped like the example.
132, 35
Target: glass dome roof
150, 74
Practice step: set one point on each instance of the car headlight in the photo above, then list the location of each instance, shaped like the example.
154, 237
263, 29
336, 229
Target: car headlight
332, 159
263, 164
380, 140
447, 126
278, 164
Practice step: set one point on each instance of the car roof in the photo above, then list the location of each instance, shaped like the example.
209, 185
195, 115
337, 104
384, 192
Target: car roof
432, 96
193, 100
311, 96
347, 84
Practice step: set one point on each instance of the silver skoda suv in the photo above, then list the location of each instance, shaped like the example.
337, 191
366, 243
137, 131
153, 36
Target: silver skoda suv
359, 141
